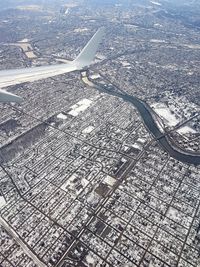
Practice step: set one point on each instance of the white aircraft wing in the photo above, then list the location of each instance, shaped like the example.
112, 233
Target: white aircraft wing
9, 97
17, 76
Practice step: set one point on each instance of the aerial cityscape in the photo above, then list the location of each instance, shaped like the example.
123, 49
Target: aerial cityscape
100, 167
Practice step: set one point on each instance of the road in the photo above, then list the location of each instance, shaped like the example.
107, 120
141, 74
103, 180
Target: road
19, 241
146, 114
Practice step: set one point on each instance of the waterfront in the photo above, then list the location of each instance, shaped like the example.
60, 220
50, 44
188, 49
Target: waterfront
145, 112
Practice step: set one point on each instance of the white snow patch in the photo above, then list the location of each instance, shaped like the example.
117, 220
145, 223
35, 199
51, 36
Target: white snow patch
81, 30
158, 25
137, 146
157, 41
163, 111
90, 260
125, 64
172, 213
2, 202
110, 180
89, 129
123, 160
126, 148
24, 41
93, 198
100, 56
95, 76
141, 140
62, 116
80, 107
156, 3
185, 130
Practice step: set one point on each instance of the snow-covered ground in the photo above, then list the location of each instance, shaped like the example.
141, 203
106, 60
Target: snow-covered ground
185, 130
81, 106
95, 76
2, 202
137, 146
90, 260
109, 180
100, 56
141, 140
89, 129
170, 119
61, 116
163, 111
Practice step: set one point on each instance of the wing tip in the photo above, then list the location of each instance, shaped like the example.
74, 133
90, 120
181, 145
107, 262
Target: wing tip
87, 55
6, 97
102, 30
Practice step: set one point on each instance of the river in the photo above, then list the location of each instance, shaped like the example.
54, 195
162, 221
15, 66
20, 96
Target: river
146, 114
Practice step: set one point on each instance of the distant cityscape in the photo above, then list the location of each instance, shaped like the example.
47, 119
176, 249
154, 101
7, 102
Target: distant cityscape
101, 167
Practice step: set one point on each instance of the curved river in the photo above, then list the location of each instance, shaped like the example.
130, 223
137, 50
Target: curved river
151, 125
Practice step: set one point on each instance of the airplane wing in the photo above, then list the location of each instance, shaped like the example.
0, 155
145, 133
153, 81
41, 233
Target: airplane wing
17, 76
9, 97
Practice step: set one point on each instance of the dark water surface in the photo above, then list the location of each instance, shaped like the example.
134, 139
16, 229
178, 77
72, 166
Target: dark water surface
151, 125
